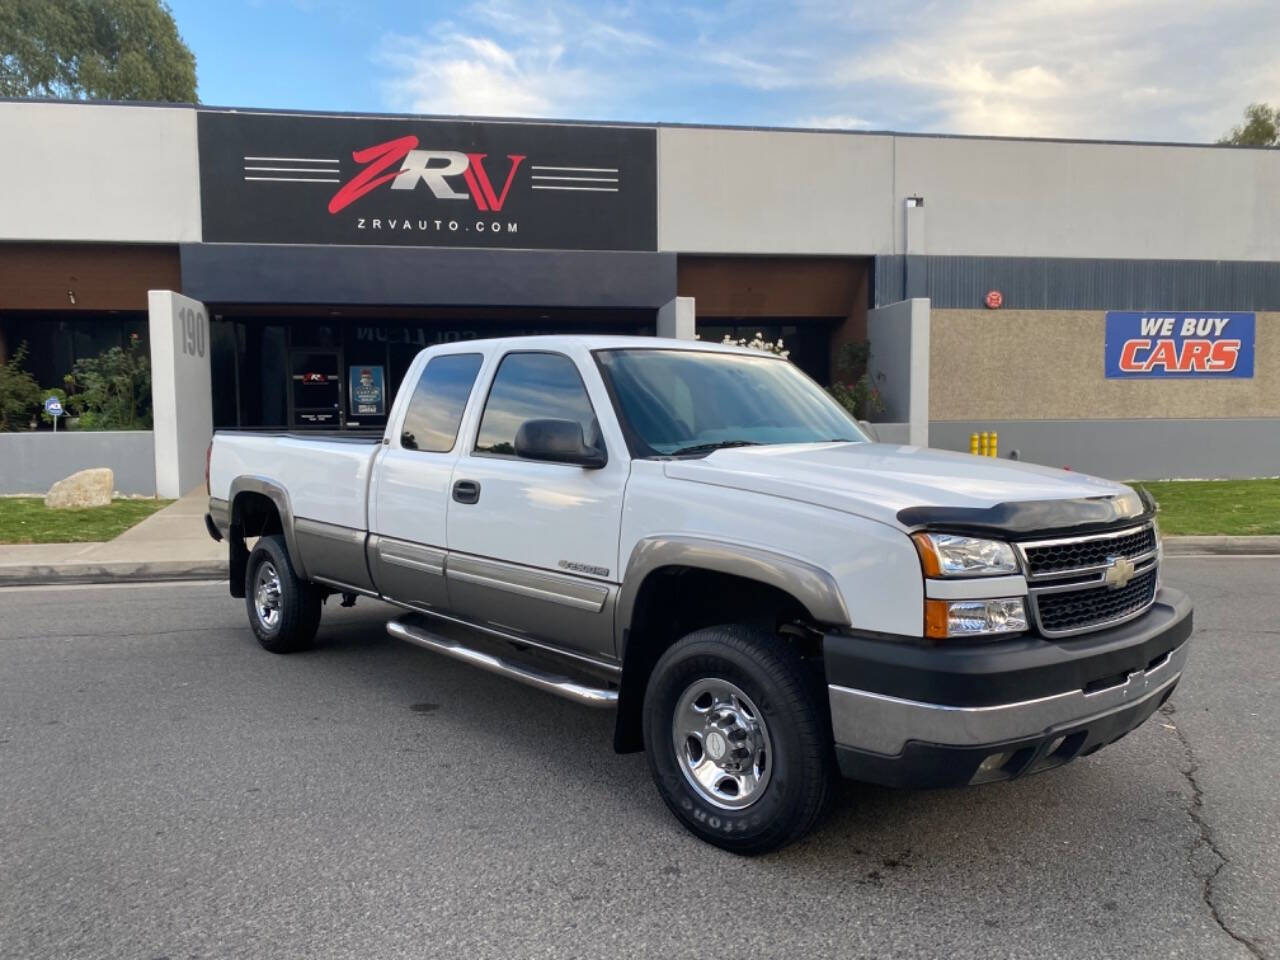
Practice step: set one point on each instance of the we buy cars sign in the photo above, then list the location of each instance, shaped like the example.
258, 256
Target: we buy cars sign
1179, 345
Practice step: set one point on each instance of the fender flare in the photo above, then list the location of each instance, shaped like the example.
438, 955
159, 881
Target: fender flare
277, 494
812, 586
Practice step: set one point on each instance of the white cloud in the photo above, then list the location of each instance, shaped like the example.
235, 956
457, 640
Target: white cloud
463, 74
831, 121
1140, 69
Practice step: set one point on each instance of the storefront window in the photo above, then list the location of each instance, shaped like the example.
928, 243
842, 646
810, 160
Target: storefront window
56, 340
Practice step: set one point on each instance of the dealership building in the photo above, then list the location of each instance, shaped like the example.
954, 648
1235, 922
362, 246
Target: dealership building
1112, 307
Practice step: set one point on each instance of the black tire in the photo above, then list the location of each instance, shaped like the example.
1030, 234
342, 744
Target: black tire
789, 697
298, 611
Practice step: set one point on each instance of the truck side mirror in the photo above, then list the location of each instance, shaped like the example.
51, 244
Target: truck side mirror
557, 441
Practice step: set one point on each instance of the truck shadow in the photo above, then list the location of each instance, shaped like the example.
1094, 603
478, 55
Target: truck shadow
1100, 808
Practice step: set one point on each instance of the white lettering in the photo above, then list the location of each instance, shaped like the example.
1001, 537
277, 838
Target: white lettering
417, 167
511, 227
453, 226
360, 225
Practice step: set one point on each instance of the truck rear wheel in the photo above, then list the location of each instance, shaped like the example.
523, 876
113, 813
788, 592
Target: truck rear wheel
737, 738
284, 610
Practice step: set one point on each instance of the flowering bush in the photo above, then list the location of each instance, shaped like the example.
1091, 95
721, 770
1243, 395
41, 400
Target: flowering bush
758, 342
856, 391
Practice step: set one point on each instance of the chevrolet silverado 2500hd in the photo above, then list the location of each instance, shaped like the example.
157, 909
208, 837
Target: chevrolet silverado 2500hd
700, 537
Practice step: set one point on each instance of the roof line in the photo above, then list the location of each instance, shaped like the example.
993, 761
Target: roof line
655, 125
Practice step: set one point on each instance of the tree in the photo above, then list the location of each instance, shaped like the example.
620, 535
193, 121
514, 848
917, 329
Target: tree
94, 49
1261, 127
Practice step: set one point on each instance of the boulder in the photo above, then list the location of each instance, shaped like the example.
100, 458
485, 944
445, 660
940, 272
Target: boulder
88, 488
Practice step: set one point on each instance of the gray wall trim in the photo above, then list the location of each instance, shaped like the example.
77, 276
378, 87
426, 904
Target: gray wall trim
1131, 449
33, 462
270, 273
1050, 283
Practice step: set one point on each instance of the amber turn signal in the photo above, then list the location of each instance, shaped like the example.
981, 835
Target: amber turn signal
935, 618
928, 558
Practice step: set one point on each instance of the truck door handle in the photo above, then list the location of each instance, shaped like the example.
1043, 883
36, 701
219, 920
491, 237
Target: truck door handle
466, 491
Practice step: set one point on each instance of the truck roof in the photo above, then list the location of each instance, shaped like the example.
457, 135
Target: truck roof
606, 342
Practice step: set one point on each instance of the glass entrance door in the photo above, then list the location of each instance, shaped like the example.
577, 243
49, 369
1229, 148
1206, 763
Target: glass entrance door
316, 392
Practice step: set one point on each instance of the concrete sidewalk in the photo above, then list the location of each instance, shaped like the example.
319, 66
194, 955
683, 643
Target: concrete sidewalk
171, 544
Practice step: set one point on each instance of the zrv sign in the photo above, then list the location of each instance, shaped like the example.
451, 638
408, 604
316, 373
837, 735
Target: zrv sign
282, 178
1168, 344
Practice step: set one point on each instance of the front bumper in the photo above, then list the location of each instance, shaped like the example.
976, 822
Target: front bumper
910, 715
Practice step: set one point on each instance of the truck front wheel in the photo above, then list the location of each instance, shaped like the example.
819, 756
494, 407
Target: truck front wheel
284, 610
737, 739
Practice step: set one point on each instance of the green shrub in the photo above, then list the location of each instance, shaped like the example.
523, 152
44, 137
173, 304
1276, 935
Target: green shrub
112, 391
19, 393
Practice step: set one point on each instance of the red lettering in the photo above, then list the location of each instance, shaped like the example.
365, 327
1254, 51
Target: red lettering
480, 185
379, 157
1164, 355
1195, 355
1225, 355
1129, 361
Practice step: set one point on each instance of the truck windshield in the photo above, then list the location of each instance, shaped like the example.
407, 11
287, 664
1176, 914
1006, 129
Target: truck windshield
677, 402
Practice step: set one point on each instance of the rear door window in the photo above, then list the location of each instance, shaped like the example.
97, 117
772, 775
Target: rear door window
438, 401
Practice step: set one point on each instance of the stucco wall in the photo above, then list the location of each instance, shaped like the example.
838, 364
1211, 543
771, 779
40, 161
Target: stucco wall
1026, 198
772, 192
99, 172
33, 462
1048, 365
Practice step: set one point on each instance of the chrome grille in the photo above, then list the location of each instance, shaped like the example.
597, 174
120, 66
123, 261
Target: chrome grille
1067, 577
1059, 556
1071, 610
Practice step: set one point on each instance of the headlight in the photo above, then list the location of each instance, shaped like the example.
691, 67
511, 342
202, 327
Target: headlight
946, 555
974, 618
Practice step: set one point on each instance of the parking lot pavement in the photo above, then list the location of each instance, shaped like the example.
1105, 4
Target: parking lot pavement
167, 789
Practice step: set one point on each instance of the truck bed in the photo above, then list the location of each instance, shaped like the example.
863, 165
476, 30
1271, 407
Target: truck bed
327, 477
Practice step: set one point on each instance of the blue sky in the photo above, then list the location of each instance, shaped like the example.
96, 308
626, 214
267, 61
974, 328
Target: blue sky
1128, 69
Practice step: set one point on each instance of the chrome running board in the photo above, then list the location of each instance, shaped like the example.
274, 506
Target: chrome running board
532, 676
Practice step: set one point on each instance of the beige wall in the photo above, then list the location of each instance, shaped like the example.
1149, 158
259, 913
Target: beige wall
78, 171
1048, 365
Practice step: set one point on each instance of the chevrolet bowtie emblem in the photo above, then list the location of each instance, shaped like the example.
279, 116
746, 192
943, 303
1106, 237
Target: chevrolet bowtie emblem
1118, 573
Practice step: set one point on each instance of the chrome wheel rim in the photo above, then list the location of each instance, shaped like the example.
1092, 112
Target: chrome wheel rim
266, 595
722, 744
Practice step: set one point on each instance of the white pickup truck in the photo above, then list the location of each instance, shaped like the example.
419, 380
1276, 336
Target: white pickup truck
700, 537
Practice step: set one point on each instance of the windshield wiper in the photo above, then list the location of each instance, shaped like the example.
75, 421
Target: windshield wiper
708, 447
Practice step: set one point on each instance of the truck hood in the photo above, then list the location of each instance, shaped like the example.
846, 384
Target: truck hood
911, 487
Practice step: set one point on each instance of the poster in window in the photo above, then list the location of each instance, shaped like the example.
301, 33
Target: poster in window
368, 393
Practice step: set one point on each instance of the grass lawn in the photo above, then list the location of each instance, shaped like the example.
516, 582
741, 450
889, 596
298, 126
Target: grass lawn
1236, 507
28, 520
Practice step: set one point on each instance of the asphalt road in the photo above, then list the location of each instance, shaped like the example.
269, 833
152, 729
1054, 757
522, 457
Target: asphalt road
167, 789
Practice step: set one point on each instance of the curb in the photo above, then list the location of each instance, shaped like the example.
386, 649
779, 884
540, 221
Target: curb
38, 575
1222, 546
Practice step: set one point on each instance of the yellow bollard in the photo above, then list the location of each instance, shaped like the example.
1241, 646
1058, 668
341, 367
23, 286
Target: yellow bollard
984, 439
995, 444
973, 444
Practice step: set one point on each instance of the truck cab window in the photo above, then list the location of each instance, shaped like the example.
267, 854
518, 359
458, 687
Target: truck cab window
534, 386
435, 409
